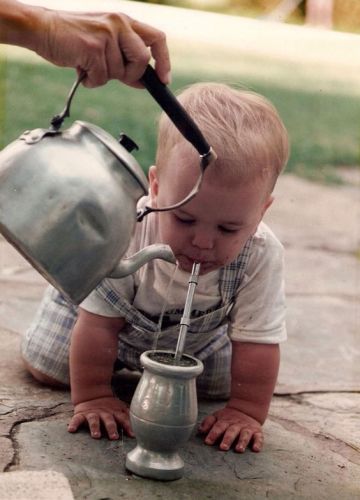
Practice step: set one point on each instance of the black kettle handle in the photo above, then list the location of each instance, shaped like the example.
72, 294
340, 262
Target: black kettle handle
167, 101
177, 114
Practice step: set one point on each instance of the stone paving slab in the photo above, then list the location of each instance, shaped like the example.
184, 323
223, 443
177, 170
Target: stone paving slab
322, 352
305, 215
323, 468
314, 272
35, 485
320, 229
333, 418
21, 289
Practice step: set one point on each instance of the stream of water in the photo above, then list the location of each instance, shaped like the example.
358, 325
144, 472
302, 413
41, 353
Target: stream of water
165, 304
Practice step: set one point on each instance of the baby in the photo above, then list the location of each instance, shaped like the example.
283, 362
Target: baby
238, 317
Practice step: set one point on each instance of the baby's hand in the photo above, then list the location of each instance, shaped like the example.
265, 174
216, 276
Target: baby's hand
234, 427
108, 411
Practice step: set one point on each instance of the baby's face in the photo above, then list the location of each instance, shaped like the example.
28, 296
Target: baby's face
214, 226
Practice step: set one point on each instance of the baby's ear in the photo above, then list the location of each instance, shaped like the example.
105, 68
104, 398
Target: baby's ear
153, 184
267, 204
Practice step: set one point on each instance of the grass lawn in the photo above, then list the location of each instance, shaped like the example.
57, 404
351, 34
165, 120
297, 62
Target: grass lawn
323, 126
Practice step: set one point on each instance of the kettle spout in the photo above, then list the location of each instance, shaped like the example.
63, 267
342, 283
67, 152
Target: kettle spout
133, 263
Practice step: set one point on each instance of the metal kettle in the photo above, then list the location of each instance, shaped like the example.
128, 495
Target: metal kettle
68, 198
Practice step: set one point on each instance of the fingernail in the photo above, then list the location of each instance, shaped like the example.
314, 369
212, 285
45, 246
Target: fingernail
168, 78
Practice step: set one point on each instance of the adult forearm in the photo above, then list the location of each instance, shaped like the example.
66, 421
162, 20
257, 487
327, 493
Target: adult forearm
254, 373
20, 23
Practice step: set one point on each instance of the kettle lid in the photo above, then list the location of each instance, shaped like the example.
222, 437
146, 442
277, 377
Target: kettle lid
118, 150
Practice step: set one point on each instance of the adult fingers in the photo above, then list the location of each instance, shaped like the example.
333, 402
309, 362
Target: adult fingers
96, 70
126, 52
156, 40
136, 57
101, 56
161, 56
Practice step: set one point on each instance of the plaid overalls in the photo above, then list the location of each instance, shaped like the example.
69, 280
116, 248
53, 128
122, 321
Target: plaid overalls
46, 344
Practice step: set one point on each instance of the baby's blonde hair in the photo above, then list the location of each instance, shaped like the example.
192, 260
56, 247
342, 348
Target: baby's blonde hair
244, 129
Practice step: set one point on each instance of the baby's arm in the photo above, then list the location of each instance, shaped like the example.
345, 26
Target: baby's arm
94, 347
254, 371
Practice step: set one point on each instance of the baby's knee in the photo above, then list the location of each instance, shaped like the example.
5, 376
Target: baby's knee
42, 377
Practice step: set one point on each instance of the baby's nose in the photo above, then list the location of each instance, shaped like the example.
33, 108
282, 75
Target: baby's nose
203, 239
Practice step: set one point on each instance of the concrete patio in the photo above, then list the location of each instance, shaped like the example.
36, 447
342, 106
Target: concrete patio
312, 447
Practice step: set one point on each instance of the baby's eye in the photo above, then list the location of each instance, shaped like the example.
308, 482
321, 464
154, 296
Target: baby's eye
183, 220
228, 230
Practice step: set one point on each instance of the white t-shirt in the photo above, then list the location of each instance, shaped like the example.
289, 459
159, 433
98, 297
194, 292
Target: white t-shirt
258, 314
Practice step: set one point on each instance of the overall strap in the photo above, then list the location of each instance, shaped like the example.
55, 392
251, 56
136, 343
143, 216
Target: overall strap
232, 275
125, 309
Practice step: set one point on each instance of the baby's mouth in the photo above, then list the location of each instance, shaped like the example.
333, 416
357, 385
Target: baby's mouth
186, 263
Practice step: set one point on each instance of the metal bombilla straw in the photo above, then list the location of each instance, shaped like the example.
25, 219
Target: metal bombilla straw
185, 320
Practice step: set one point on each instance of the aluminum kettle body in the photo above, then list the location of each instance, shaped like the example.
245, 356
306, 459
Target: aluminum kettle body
68, 204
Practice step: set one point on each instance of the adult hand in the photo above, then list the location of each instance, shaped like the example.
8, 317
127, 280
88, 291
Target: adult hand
104, 45
108, 411
233, 428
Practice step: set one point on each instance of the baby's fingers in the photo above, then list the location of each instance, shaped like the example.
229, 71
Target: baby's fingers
110, 425
76, 421
245, 437
258, 441
216, 432
206, 424
123, 419
230, 435
92, 419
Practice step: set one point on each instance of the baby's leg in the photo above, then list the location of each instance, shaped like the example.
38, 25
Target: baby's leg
215, 380
43, 378
45, 346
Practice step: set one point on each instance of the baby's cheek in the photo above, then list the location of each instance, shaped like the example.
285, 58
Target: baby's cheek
232, 249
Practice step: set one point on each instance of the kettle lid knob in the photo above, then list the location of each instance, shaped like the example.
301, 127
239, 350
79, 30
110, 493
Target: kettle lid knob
128, 143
